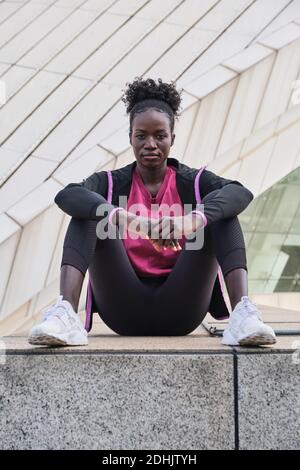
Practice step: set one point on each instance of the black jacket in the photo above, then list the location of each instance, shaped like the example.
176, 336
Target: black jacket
81, 200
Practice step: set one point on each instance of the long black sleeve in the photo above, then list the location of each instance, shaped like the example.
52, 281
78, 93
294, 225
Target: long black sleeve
81, 200
230, 201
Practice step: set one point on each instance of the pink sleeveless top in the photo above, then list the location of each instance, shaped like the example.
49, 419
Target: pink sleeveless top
145, 259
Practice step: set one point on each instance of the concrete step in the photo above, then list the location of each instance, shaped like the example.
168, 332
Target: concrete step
173, 393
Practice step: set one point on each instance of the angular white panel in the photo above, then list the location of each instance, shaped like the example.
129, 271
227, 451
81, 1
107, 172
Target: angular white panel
30, 36
284, 157
6, 10
232, 172
185, 13
187, 100
248, 57
210, 81
224, 47
123, 7
118, 142
30, 175
235, 38
96, 5
8, 228
182, 130
20, 20
32, 131
64, 138
245, 104
83, 167
54, 269
71, 4
4, 68
47, 296
22, 104
279, 89
15, 78
287, 15
258, 16
35, 202
43, 2
253, 168
7, 254
259, 138
168, 67
147, 51
9, 160
32, 260
54, 42
12, 325
112, 121
225, 161
109, 165
289, 117
203, 141
281, 38
222, 14
85, 44
113, 50
125, 158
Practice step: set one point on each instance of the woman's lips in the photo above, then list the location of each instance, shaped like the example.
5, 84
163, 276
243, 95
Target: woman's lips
150, 157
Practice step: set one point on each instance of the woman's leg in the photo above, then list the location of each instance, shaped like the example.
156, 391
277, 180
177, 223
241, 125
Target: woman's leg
78, 249
122, 299
231, 254
182, 302
71, 280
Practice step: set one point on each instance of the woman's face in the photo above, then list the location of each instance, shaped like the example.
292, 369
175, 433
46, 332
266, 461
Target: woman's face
151, 138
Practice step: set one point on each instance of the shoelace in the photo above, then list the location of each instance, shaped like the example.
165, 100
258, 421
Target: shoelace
251, 307
54, 312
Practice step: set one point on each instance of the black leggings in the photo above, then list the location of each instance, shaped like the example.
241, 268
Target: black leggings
158, 306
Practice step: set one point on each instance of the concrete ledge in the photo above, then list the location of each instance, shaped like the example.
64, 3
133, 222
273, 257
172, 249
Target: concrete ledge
269, 401
117, 401
150, 393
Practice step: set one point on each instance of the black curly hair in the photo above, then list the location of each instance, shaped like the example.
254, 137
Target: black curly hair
143, 94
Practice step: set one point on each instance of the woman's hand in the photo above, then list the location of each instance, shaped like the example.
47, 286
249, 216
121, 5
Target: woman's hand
167, 229
142, 226
136, 224
163, 232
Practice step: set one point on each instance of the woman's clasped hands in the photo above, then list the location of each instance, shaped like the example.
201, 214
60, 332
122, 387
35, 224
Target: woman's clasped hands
163, 232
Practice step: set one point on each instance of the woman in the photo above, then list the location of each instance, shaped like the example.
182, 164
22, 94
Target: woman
154, 277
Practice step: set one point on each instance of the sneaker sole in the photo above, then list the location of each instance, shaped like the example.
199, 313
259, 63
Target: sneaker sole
257, 340
48, 340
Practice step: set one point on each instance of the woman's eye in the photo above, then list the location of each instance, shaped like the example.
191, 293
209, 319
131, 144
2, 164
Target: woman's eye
141, 136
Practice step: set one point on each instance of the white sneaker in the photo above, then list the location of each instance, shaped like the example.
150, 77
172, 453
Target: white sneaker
246, 327
60, 326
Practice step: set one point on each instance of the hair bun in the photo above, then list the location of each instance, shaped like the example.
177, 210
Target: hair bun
141, 89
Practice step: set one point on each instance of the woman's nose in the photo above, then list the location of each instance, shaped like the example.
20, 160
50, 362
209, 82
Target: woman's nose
150, 142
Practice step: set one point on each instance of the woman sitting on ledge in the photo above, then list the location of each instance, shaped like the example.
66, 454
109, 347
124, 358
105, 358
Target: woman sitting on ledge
153, 271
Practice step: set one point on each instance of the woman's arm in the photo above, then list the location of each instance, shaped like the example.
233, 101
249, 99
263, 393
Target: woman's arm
231, 199
81, 200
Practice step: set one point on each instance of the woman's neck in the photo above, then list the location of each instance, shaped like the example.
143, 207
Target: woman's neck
152, 176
